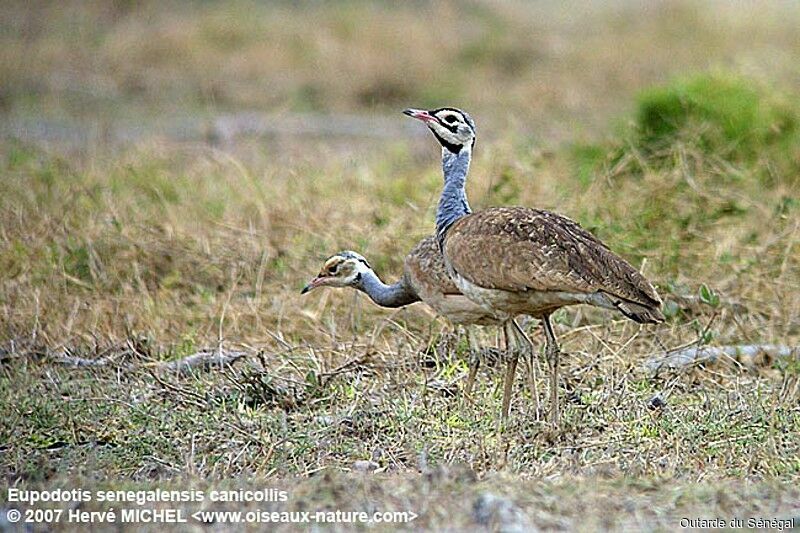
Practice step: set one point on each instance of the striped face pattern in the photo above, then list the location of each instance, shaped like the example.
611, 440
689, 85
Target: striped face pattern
340, 270
453, 128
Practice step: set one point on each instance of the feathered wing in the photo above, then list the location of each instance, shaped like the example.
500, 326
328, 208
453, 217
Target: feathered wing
518, 249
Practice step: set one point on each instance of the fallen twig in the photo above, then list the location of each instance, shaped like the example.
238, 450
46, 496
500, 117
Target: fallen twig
64, 358
188, 395
746, 355
203, 360
70, 360
349, 366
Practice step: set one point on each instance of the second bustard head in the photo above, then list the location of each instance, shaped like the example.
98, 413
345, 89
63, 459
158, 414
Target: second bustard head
514, 260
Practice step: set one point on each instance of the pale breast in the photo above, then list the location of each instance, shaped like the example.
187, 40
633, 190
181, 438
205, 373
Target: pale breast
461, 310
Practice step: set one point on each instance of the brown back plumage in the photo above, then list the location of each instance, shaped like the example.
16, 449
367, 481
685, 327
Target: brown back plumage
518, 249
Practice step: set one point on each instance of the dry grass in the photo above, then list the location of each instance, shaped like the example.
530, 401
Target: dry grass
151, 252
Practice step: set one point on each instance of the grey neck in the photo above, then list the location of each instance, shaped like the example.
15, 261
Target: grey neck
453, 203
397, 294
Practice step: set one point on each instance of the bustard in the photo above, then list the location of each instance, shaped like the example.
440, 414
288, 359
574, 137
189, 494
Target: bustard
519, 260
424, 279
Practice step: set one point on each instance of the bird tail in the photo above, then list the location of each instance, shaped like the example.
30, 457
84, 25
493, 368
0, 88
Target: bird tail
641, 313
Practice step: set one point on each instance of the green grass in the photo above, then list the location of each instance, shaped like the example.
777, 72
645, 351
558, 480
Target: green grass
723, 115
728, 107
699, 150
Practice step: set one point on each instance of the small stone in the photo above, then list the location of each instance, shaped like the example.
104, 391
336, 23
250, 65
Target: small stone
365, 466
657, 402
326, 420
499, 514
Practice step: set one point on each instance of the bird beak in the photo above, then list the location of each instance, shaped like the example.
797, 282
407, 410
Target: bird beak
313, 284
420, 114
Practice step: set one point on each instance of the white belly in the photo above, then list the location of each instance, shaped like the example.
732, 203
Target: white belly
461, 310
506, 304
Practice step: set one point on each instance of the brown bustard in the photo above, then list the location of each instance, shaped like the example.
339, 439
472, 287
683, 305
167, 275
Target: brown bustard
518, 260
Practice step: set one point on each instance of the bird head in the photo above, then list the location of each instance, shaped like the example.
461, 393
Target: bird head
340, 270
453, 128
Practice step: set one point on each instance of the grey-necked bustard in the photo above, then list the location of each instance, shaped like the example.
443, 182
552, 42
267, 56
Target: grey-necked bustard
518, 260
424, 279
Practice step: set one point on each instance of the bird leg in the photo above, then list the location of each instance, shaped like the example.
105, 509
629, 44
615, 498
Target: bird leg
474, 361
552, 351
513, 355
532, 377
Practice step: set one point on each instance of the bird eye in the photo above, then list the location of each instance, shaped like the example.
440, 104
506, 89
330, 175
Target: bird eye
333, 268
450, 119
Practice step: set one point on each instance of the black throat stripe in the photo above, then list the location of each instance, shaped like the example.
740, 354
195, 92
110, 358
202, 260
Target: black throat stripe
455, 148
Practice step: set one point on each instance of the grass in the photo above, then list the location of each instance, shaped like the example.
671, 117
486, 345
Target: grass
151, 251
724, 116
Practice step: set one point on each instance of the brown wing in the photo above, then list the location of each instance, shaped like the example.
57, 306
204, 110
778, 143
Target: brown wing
425, 270
517, 248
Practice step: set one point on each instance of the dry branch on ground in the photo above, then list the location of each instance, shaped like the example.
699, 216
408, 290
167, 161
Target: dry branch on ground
748, 355
203, 360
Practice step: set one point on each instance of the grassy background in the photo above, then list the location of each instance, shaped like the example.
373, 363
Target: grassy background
668, 129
